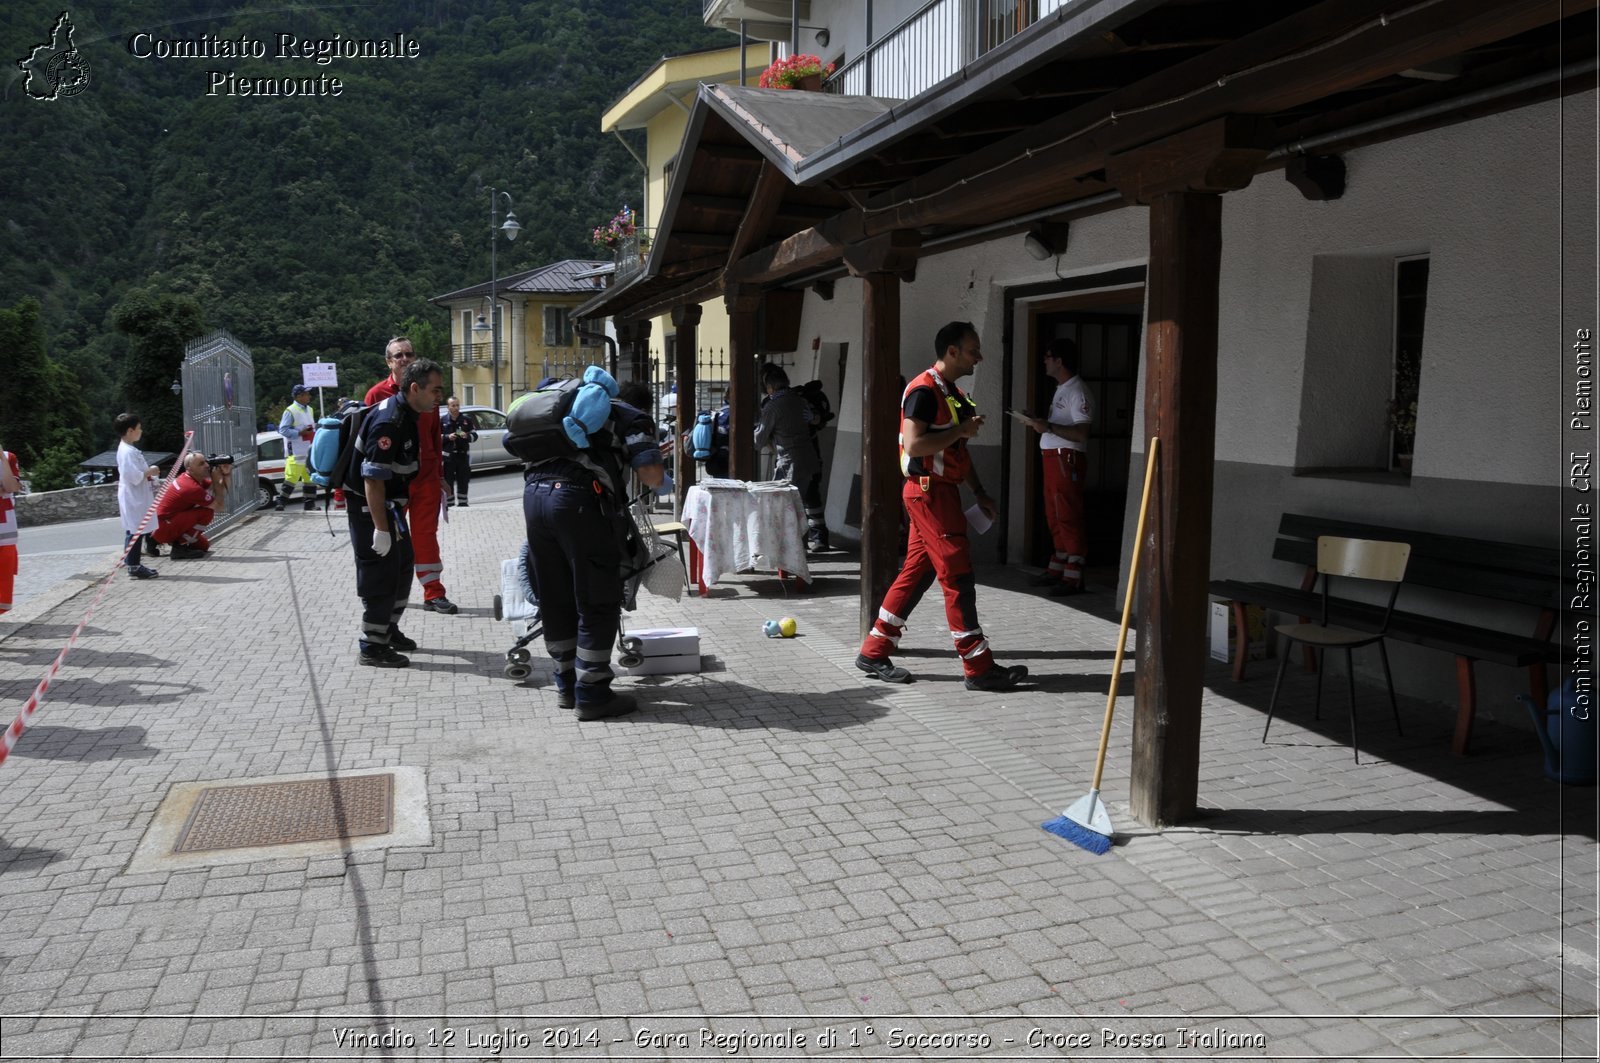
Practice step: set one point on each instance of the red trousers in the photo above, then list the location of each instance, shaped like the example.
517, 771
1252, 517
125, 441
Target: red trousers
8, 574
423, 512
936, 548
1064, 472
184, 527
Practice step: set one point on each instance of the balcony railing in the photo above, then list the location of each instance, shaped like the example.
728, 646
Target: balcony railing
474, 354
630, 254
933, 43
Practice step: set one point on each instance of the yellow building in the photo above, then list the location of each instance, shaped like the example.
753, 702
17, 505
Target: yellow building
659, 104
536, 333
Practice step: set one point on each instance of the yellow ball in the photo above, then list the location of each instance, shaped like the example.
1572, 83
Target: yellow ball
787, 627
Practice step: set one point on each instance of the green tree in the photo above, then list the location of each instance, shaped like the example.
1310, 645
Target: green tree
159, 326
40, 408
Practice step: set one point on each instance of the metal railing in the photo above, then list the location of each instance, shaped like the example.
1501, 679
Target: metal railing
629, 254
932, 44
472, 354
219, 406
910, 59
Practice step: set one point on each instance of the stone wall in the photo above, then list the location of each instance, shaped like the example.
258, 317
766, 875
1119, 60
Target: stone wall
75, 503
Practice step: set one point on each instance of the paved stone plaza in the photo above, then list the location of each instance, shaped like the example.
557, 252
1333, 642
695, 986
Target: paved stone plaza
774, 858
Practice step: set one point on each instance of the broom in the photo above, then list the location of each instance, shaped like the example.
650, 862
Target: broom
1086, 824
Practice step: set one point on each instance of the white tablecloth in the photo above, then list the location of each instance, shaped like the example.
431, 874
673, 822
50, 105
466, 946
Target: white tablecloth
738, 525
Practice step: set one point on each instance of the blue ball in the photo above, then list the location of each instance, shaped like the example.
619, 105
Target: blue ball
772, 629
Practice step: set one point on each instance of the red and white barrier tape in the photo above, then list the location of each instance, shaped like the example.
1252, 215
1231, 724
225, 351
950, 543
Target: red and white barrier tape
24, 717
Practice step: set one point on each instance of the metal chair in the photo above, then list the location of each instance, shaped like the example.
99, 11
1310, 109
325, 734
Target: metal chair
1363, 559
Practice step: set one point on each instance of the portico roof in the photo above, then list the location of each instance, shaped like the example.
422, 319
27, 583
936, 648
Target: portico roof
772, 186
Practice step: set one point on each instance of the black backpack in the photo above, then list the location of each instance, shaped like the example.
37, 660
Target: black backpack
821, 408
536, 432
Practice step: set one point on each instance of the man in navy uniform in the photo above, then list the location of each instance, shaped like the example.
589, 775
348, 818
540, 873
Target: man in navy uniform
575, 508
385, 461
458, 431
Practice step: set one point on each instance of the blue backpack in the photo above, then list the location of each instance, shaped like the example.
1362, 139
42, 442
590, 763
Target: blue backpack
333, 445
702, 438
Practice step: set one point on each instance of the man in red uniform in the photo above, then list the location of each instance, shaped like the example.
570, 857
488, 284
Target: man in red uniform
427, 489
188, 505
936, 420
1063, 442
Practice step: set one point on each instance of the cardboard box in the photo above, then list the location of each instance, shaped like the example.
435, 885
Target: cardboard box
667, 641
666, 651
1221, 629
674, 664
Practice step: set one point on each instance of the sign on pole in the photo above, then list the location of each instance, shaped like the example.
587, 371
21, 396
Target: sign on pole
320, 374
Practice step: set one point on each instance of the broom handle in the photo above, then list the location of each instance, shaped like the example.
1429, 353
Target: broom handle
1127, 607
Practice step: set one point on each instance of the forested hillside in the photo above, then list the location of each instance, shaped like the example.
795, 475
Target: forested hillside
307, 226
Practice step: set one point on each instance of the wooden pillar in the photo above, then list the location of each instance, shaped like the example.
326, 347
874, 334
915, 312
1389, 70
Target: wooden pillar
686, 319
1180, 179
1180, 407
881, 479
881, 263
742, 305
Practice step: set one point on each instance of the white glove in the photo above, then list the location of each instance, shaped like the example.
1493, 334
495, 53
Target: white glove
381, 541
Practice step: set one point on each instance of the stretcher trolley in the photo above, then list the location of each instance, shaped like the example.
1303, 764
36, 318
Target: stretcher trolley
646, 561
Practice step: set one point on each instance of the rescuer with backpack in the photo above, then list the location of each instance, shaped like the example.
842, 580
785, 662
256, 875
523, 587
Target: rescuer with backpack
381, 466
579, 442
427, 491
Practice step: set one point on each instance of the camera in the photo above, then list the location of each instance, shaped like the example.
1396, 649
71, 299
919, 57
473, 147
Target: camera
215, 460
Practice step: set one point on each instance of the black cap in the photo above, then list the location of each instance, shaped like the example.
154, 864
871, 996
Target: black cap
301, 389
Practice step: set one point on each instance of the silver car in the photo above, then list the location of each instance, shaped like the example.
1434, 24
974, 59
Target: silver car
489, 451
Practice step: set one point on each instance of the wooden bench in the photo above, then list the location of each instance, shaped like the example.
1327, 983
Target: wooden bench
1445, 564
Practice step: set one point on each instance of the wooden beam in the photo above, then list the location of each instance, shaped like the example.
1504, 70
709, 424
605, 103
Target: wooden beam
1220, 156
893, 252
740, 153
808, 249
701, 241
764, 200
881, 480
1180, 409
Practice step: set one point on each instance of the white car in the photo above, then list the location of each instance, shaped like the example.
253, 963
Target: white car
489, 451
270, 456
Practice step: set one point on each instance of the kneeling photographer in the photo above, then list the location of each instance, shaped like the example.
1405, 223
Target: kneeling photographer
196, 494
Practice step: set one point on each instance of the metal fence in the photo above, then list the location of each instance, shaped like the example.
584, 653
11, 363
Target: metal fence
219, 406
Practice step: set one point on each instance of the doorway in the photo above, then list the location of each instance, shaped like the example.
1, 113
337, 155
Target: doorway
1107, 327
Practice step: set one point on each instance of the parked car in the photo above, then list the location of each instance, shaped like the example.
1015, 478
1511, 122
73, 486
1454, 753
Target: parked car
270, 457
489, 452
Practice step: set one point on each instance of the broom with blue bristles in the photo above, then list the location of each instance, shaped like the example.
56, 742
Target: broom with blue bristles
1086, 824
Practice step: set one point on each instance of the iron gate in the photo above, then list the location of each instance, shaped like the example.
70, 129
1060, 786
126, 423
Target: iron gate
219, 406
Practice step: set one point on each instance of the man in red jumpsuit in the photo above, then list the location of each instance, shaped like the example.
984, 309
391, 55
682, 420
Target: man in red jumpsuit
188, 505
427, 489
936, 420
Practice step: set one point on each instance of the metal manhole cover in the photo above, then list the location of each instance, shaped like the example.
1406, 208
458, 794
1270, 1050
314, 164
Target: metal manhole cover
283, 813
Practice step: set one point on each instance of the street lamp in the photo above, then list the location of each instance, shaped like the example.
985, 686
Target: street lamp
511, 229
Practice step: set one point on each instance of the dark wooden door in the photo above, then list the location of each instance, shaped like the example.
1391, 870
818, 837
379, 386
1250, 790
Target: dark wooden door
1108, 355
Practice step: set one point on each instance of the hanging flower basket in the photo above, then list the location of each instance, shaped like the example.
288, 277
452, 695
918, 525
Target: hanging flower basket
613, 232
805, 72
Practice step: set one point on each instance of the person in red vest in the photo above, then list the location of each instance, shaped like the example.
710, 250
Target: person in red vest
427, 489
188, 505
936, 421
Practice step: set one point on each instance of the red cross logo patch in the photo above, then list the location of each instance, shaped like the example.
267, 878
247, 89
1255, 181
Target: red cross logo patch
383, 442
